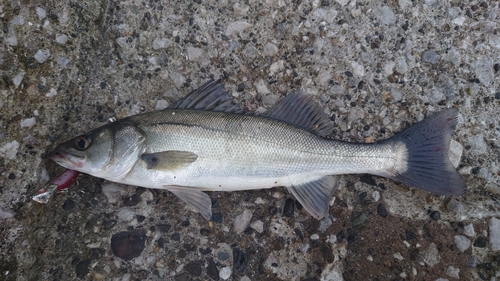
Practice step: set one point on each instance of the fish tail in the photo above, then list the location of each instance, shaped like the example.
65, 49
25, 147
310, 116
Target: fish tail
428, 166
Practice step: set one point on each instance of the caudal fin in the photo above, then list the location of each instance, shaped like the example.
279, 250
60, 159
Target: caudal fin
428, 165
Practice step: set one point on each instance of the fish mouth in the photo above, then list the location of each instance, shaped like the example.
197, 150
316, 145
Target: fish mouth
60, 159
54, 155
66, 160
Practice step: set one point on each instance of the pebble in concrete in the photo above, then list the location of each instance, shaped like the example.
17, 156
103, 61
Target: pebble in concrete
241, 221
494, 227
462, 242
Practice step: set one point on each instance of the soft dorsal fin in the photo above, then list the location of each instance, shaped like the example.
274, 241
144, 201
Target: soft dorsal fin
302, 111
210, 96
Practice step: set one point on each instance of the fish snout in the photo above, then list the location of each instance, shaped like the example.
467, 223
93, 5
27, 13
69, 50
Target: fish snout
66, 159
55, 155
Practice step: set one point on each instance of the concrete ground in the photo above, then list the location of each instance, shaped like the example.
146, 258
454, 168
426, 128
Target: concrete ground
376, 67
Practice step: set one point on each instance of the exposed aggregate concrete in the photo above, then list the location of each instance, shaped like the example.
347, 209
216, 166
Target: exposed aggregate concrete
376, 68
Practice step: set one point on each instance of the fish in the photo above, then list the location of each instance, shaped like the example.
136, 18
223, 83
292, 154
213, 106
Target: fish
206, 142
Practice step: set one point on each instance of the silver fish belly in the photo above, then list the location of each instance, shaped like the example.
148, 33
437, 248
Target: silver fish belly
203, 143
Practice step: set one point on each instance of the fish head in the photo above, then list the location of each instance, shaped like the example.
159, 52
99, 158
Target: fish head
107, 152
86, 152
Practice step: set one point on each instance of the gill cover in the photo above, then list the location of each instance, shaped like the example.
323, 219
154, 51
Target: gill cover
108, 152
127, 144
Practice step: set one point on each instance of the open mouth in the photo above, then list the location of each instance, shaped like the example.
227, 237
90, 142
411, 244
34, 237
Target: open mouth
67, 160
55, 155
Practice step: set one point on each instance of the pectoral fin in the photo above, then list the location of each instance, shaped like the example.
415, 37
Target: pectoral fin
169, 160
195, 198
315, 196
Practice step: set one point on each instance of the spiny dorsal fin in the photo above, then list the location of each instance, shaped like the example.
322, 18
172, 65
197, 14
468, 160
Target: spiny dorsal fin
210, 96
315, 196
302, 111
168, 160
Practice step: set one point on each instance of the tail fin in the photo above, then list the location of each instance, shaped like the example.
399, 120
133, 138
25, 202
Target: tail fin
428, 165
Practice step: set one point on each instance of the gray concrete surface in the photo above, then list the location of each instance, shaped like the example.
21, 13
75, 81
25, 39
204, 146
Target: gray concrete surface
376, 67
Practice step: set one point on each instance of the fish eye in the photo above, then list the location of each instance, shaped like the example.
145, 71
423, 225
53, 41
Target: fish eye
82, 142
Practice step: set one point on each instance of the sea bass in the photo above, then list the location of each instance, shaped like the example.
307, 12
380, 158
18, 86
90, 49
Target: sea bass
203, 142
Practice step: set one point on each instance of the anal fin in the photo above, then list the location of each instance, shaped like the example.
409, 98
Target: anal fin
193, 197
315, 196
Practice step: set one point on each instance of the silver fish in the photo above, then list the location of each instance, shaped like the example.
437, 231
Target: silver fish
202, 142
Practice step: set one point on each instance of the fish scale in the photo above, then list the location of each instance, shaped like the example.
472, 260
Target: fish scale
233, 144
